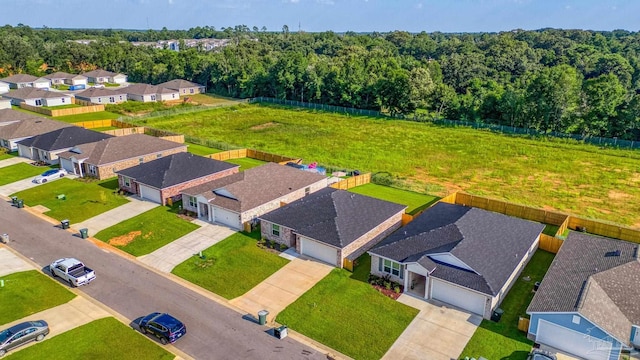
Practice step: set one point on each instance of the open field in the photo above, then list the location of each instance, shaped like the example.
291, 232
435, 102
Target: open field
211, 100
575, 178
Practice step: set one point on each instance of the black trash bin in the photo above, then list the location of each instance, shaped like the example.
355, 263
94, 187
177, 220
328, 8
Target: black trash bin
280, 332
14, 200
496, 315
536, 286
64, 224
20, 203
84, 233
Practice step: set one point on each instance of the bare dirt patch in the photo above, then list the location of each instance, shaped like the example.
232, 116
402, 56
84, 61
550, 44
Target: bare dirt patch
618, 195
125, 239
270, 124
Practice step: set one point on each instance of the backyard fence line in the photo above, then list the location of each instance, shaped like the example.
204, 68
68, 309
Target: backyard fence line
125, 131
353, 181
94, 124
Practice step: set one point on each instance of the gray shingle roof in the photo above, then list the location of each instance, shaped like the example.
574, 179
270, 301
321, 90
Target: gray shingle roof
34, 93
63, 138
178, 84
59, 75
141, 89
491, 244
335, 217
121, 148
175, 169
99, 73
10, 115
255, 186
589, 276
30, 127
95, 92
19, 78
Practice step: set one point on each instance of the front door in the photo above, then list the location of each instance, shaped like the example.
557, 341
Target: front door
204, 211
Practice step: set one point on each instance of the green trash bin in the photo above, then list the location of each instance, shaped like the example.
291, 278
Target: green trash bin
64, 224
14, 200
84, 233
20, 203
262, 316
280, 332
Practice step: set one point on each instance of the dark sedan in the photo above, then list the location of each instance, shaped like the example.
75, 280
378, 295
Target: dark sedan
163, 326
21, 334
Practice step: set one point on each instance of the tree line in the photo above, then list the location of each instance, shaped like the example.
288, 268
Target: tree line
573, 81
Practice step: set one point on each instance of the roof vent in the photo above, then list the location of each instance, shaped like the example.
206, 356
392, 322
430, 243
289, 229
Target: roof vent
612, 253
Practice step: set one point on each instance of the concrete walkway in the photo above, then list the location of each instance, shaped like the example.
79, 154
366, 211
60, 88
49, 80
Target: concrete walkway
13, 161
438, 332
180, 250
283, 287
135, 206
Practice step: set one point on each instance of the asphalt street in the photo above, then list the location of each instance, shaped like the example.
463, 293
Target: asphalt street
213, 330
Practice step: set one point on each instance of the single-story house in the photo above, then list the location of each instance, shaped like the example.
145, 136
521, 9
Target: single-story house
5, 104
102, 159
463, 256
149, 93
243, 197
13, 132
4, 87
184, 87
100, 76
165, 178
19, 81
59, 78
46, 147
37, 97
102, 96
332, 225
9, 116
587, 303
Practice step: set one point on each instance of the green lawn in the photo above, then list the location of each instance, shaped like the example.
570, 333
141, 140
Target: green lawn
84, 200
4, 156
246, 163
555, 174
60, 107
231, 267
414, 201
201, 150
149, 231
101, 115
348, 315
28, 292
105, 338
503, 340
105, 128
19, 171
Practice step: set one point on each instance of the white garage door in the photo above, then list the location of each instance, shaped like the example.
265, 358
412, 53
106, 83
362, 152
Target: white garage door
150, 194
227, 217
318, 251
67, 165
458, 296
573, 342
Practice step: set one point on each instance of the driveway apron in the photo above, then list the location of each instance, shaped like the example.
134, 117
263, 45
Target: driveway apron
180, 250
10, 263
283, 287
438, 332
134, 207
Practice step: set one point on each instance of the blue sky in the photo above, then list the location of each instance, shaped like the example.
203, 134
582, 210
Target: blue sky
323, 15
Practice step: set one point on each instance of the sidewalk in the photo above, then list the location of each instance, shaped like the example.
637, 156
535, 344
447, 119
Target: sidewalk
13, 161
180, 250
10, 263
135, 206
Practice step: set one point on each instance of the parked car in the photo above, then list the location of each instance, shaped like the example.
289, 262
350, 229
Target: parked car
49, 175
537, 354
163, 326
72, 271
21, 334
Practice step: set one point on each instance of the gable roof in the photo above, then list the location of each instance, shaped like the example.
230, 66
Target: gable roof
59, 75
597, 277
491, 244
99, 92
30, 127
175, 169
334, 217
19, 78
10, 115
179, 84
141, 89
120, 148
99, 73
255, 186
63, 138
34, 93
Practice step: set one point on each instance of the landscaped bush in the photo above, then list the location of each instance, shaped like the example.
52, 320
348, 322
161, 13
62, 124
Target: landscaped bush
383, 178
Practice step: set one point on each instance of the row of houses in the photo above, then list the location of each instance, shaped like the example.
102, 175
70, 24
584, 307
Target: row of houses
19, 81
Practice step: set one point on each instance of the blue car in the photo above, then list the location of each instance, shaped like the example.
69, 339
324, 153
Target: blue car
163, 326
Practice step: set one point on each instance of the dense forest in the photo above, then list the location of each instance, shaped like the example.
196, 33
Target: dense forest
573, 81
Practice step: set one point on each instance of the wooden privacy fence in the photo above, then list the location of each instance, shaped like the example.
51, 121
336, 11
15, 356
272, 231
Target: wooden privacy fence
605, 229
550, 243
175, 138
265, 156
125, 131
510, 209
63, 112
353, 181
94, 124
228, 155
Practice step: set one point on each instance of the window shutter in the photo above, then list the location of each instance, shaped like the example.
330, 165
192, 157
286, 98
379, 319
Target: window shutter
379, 264
401, 271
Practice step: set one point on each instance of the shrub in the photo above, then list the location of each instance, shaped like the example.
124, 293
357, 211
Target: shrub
397, 289
383, 178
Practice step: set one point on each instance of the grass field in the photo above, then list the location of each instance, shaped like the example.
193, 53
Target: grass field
201, 150
562, 175
19, 171
147, 232
100, 339
60, 107
101, 115
231, 267
29, 292
414, 201
348, 315
246, 163
503, 340
211, 100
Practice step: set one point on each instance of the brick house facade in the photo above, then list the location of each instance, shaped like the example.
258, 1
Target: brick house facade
109, 170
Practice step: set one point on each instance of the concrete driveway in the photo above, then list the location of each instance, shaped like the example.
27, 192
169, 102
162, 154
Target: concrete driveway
24, 184
438, 332
13, 161
283, 287
135, 206
10, 263
180, 250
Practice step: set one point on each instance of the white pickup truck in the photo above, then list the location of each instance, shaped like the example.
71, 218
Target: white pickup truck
73, 271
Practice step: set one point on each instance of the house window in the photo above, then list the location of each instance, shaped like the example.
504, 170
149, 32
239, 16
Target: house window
127, 182
62, 100
191, 91
99, 100
93, 170
275, 230
390, 267
112, 99
192, 201
39, 102
153, 97
120, 97
307, 191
